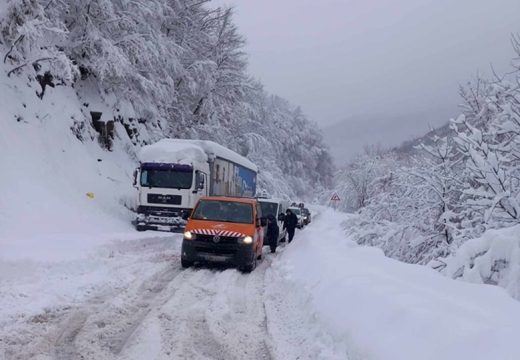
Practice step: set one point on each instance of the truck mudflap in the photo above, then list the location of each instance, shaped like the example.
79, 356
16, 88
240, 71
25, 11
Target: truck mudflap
160, 218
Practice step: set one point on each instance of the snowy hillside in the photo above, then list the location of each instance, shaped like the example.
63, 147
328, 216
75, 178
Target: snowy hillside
48, 173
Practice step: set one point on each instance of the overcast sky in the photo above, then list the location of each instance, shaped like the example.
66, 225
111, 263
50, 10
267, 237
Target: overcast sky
342, 58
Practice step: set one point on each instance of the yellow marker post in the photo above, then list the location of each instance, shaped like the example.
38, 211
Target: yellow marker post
90, 195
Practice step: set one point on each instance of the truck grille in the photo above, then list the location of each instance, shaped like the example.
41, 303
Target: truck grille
164, 199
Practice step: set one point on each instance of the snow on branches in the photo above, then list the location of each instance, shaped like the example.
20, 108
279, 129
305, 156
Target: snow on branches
178, 67
458, 184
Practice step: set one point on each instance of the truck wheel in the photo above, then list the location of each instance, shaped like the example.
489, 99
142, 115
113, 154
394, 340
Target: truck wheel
185, 263
140, 227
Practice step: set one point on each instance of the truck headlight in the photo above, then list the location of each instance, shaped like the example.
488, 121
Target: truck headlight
188, 235
247, 240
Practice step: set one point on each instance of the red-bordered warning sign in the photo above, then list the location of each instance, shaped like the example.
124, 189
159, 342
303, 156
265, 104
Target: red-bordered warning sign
335, 197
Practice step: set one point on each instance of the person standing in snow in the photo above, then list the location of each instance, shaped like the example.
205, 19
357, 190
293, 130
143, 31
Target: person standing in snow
289, 223
272, 232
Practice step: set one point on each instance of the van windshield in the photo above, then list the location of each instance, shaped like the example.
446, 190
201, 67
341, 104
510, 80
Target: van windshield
268, 208
226, 211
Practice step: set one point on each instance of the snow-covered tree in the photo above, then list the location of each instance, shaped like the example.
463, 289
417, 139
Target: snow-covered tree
165, 68
488, 138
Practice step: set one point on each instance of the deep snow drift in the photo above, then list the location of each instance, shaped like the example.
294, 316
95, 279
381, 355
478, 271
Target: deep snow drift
378, 308
493, 258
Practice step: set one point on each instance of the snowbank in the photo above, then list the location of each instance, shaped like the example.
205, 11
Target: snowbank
59, 196
379, 308
493, 259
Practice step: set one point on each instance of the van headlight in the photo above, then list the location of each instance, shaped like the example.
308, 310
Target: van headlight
188, 235
247, 240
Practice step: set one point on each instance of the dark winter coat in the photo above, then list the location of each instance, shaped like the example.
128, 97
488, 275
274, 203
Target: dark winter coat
290, 222
272, 231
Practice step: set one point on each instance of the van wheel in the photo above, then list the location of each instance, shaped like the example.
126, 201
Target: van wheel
250, 267
185, 263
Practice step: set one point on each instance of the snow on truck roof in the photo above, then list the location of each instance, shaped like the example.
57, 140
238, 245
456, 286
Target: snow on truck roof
181, 151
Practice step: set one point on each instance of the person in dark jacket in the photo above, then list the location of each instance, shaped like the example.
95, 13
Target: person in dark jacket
289, 223
272, 232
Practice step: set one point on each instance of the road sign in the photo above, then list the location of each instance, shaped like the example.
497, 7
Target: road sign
335, 197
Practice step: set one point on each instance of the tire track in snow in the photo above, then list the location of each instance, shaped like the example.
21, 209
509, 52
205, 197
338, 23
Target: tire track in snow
99, 327
214, 315
109, 325
168, 313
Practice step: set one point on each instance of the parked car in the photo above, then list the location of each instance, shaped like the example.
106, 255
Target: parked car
276, 208
224, 229
298, 212
306, 216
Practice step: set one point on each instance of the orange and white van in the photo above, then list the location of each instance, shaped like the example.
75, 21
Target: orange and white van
224, 229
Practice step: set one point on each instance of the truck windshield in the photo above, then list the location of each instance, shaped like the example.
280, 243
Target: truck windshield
226, 211
268, 208
168, 178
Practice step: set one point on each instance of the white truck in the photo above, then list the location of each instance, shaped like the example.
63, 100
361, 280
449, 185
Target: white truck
174, 173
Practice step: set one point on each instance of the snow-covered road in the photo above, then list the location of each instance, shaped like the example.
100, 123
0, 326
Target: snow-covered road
140, 304
321, 297
132, 300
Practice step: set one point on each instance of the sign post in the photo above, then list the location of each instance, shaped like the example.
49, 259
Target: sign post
334, 199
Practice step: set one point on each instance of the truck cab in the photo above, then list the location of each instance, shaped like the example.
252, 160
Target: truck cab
166, 191
173, 174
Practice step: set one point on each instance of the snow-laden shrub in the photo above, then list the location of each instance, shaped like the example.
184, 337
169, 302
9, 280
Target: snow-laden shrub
493, 258
402, 242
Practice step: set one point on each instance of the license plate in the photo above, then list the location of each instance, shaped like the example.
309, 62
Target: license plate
163, 228
216, 258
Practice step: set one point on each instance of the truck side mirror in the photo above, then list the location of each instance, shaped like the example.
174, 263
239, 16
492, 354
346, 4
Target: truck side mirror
199, 180
136, 171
